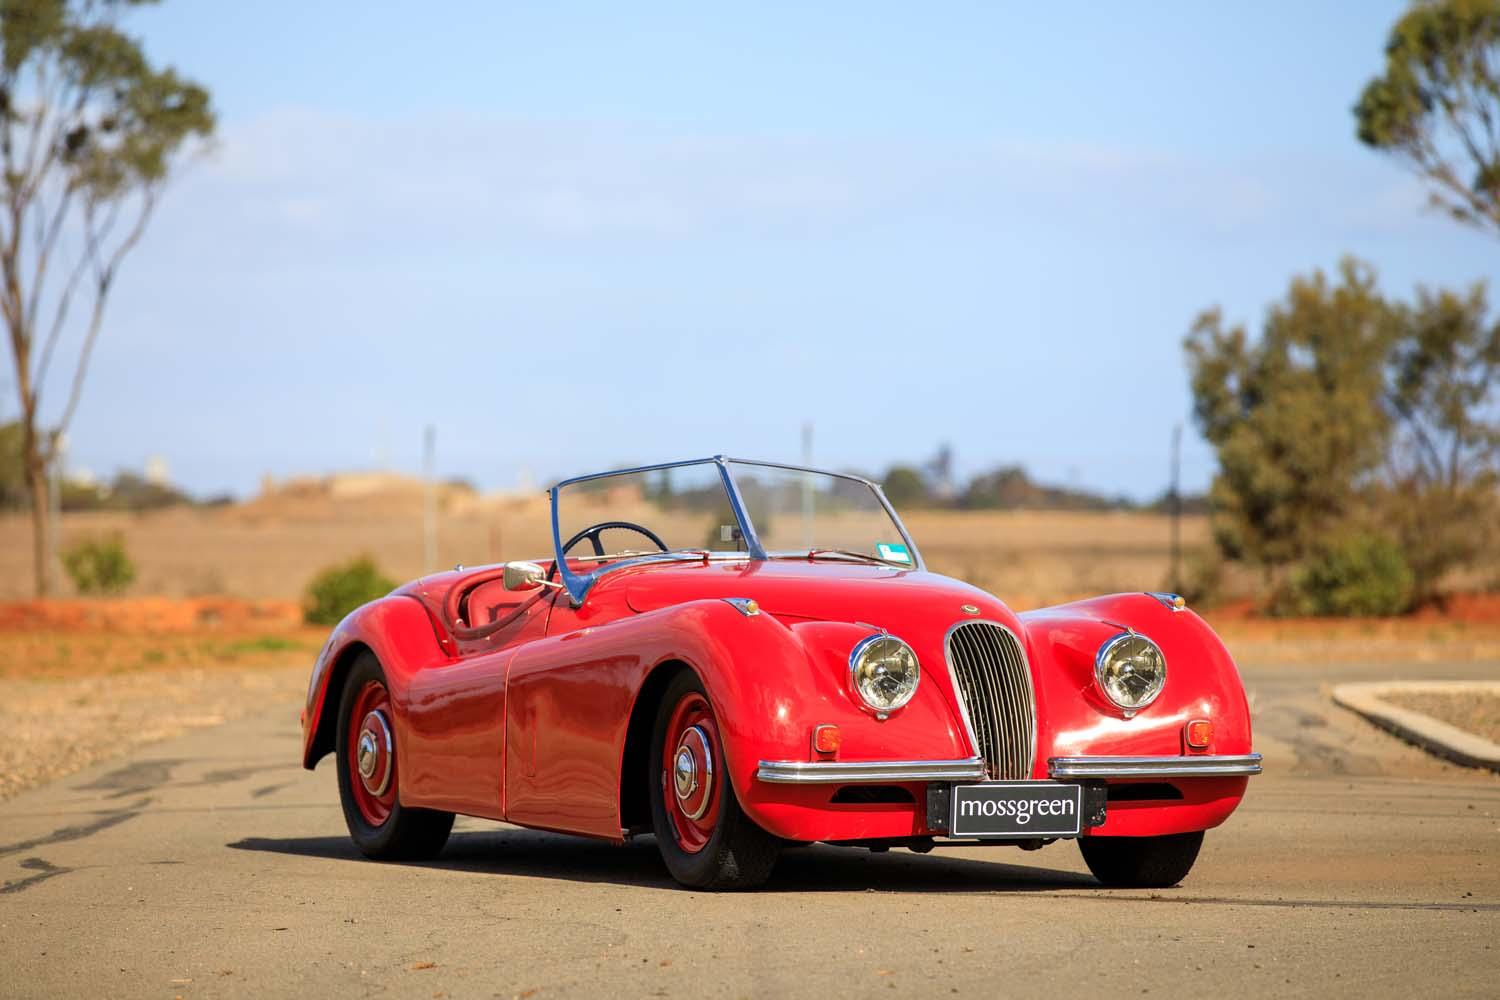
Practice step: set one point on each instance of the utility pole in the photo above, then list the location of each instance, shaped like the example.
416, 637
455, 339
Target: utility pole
1175, 499
807, 489
429, 505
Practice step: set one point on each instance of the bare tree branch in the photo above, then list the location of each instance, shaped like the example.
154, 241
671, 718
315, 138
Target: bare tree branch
104, 276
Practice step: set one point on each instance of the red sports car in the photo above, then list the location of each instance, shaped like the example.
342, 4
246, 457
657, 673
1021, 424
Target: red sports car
738, 655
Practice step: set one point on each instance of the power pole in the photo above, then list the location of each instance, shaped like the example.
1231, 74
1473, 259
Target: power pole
807, 490
429, 506
1175, 497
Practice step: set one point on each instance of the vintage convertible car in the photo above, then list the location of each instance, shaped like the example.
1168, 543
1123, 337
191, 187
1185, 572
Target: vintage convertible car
739, 655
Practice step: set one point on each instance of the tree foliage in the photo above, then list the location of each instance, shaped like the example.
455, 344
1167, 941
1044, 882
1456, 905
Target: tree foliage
1295, 416
905, 487
1354, 424
89, 131
1437, 105
1439, 498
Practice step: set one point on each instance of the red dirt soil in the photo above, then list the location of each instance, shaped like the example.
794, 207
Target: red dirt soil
150, 615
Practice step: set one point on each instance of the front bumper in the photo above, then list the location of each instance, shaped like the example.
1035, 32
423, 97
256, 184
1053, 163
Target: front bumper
839, 772
801, 772
1208, 766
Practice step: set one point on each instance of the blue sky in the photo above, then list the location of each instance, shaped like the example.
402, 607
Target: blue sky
570, 235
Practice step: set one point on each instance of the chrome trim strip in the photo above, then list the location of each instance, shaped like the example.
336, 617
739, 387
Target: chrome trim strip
799, 772
1154, 767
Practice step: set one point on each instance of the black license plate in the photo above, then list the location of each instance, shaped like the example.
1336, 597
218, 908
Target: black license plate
1016, 809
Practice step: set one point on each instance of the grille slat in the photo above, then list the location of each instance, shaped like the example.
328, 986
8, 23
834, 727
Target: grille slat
990, 672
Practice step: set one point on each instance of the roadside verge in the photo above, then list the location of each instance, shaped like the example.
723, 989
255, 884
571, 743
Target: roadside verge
1433, 735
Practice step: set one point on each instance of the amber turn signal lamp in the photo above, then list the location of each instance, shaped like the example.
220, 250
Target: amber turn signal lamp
1200, 733
826, 739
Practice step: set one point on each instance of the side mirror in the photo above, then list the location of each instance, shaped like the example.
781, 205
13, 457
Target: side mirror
524, 576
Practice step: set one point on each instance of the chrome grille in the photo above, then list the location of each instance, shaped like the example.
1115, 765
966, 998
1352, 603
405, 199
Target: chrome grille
989, 671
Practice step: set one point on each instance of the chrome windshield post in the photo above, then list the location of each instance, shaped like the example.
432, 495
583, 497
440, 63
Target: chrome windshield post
576, 585
737, 504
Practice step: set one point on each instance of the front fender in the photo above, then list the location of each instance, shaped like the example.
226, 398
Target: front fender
1202, 683
400, 632
571, 697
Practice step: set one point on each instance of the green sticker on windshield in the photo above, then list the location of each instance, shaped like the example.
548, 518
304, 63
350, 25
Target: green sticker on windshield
893, 553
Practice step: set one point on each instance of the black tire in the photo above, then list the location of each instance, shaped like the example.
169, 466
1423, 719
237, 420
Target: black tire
404, 835
1141, 862
738, 854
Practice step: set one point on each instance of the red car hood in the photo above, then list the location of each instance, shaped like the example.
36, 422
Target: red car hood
821, 591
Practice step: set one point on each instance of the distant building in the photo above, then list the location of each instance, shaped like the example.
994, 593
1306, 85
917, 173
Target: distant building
157, 473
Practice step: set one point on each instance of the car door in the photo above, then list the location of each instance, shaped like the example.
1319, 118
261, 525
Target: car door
456, 718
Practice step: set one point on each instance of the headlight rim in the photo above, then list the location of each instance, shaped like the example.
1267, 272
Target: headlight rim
855, 654
1101, 658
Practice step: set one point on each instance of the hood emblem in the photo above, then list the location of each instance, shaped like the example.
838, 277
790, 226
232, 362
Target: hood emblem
969, 609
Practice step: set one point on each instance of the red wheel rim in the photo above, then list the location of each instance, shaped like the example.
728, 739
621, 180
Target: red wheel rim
692, 766
372, 758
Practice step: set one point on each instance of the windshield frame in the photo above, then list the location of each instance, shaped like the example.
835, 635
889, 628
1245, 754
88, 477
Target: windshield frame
578, 585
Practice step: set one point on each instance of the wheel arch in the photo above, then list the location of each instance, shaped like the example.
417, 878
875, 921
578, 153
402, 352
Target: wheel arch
325, 732
635, 792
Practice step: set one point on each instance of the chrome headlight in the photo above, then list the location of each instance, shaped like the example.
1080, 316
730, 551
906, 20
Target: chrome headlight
884, 672
1131, 671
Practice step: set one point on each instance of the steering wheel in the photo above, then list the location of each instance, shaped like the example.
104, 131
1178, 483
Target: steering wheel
593, 532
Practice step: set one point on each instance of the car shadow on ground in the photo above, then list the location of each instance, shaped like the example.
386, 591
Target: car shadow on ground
815, 868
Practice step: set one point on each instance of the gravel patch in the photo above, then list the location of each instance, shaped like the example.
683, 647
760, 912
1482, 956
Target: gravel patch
56, 727
1476, 712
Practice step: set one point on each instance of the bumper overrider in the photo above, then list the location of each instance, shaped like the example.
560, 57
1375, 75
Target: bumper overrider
795, 772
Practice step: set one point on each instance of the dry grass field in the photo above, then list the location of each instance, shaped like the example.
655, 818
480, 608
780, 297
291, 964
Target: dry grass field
271, 547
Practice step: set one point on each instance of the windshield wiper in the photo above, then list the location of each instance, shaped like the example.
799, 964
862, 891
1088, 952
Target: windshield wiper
860, 556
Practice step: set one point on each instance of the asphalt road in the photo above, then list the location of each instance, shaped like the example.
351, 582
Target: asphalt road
212, 865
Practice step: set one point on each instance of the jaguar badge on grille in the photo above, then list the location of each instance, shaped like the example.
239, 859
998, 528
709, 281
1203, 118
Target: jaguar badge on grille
969, 609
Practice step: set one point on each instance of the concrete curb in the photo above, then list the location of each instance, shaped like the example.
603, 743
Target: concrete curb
1437, 738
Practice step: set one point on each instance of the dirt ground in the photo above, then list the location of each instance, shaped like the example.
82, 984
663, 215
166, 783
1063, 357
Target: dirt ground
271, 548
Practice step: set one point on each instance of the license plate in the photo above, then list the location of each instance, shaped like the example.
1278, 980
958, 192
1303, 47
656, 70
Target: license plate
1016, 809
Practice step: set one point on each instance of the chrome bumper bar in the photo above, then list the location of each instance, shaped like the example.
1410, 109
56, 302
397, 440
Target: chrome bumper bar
797, 772
1154, 767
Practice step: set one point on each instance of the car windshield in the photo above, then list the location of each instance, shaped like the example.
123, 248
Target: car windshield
720, 508
799, 512
648, 511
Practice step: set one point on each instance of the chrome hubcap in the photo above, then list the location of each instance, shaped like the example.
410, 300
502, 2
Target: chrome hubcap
686, 775
373, 753
693, 773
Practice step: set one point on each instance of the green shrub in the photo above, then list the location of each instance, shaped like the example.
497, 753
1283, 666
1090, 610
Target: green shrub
99, 565
1361, 575
1202, 577
338, 590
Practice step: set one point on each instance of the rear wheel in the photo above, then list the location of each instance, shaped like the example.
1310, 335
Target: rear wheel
368, 780
705, 839
1141, 862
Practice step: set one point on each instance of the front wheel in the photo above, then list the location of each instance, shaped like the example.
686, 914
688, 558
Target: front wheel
380, 826
1141, 862
705, 839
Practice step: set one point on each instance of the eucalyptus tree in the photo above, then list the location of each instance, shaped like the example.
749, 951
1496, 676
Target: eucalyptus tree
1437, 105
90, 131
